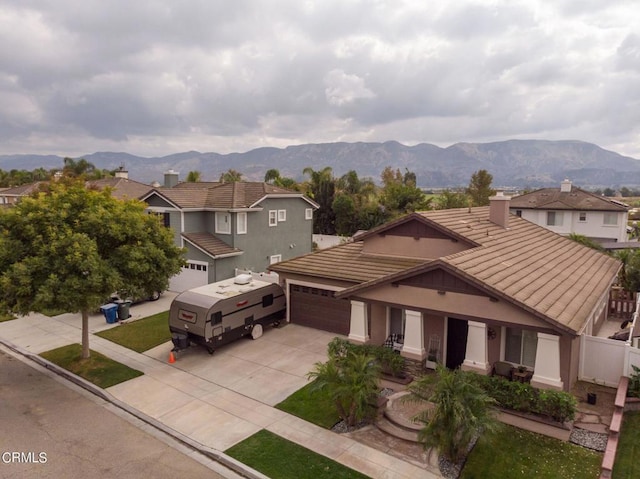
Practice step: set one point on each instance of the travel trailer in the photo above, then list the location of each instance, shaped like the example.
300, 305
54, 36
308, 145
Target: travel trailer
221, 312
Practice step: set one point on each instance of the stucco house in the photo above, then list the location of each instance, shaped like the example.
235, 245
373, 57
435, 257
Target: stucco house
464, 287
229, 226
568, 209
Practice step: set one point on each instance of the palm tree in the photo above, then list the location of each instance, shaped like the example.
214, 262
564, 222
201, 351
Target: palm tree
352, 382
193, 176
230, 176
461, 410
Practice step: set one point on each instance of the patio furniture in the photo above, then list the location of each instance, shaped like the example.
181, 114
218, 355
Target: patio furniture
395, 342
504, 369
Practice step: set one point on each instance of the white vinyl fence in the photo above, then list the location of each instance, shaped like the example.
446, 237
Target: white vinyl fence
604, 360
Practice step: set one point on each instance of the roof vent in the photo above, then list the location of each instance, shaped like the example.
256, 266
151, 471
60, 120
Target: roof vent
242, 279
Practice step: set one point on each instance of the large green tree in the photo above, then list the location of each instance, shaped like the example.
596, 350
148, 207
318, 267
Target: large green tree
322, 188
460, 410
479, 189
449, 199
400, 194
70, 247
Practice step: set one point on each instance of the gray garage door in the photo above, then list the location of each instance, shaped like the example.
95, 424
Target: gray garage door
319, 309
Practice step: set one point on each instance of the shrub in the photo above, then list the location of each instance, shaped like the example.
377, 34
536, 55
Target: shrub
389, 360
522, 397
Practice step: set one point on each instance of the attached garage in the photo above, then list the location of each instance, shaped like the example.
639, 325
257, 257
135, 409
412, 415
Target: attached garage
193, 274
318, 308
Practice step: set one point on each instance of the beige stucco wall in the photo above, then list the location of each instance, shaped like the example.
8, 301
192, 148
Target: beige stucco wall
453, 304
404, 246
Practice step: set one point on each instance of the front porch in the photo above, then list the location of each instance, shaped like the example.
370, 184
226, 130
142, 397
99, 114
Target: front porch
426, 339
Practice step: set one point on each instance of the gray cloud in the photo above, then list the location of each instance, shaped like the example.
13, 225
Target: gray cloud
156, 77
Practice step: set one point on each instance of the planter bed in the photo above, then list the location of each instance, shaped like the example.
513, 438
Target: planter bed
534, 423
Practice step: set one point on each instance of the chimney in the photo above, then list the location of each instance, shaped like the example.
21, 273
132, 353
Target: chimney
499, 209
170, 178
565, 186
122, 173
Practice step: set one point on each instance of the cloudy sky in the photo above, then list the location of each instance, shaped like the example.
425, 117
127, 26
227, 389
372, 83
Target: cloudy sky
155, 77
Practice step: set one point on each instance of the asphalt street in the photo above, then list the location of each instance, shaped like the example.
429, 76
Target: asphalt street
49, 430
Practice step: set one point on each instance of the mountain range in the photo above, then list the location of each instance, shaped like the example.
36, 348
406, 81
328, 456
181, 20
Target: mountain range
516, 163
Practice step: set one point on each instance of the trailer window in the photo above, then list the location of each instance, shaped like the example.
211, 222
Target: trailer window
267, 300
216, 318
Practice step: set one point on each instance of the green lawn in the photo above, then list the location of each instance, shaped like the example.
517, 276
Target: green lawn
627, 465
279, 458
98, 369
315, 407
142, 334
514, 453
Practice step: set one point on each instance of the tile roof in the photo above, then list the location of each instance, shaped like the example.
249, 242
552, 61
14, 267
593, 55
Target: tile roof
234, 195
24, 190
122, 187
576, 199
211, 244
551, 276
345, 262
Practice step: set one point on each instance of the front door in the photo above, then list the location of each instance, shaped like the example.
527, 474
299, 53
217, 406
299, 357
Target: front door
457, 330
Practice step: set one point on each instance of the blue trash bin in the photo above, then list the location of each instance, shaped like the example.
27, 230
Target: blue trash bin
110, 312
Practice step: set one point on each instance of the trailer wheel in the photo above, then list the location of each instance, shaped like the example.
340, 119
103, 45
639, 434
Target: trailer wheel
256, 332
210, 350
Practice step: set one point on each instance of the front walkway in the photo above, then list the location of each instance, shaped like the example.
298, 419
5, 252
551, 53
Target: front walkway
222, 399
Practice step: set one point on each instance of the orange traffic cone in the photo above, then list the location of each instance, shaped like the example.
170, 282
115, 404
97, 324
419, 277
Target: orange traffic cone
172, 358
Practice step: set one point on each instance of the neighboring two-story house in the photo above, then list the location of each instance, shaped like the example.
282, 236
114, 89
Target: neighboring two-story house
572, 210
229, 226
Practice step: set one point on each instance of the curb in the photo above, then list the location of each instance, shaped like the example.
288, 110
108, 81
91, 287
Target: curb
225, 460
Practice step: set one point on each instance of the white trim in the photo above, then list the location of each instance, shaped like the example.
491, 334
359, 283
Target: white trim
226, 231
277, 257
238, 216
284, 195
273, 215
282, 216
308, 213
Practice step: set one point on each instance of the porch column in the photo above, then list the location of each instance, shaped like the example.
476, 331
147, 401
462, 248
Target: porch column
413, 347
546, 372
476, 356
359, 326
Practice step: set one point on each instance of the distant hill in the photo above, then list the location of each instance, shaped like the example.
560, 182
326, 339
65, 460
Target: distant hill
518, 163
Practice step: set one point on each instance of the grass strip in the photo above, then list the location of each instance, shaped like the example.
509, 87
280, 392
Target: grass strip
513, 453
98, 369
627, 465
140, 335
279, 458
313, 406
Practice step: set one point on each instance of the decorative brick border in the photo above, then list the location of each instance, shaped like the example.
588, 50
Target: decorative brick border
614, 429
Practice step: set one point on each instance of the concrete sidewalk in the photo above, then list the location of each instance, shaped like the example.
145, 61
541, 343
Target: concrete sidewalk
218, 401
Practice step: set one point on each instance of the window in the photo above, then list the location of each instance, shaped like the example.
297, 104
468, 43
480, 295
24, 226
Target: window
223, 223
273, 218
554, 218
267, 300
520, 347
582, 217
241, 225
610, 219
216, 318
519, 213
282, 215
308, 214
396, 321
276, 258
166, 219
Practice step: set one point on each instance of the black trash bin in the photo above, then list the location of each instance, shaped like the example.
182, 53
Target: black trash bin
123, 309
